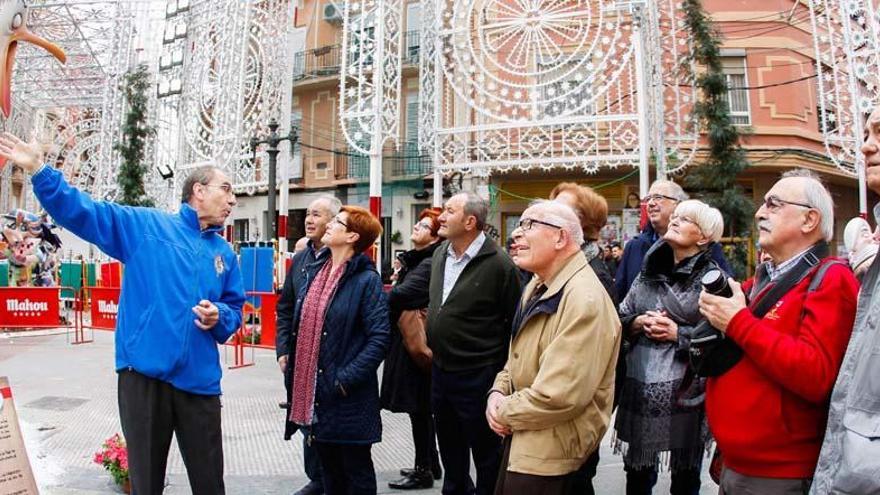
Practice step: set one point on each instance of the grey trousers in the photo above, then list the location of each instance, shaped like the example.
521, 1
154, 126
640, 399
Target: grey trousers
733, 483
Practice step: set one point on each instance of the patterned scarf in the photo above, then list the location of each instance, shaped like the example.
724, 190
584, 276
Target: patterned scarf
308, 343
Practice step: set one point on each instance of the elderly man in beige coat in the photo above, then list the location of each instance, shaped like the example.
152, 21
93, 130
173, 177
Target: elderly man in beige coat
552, 400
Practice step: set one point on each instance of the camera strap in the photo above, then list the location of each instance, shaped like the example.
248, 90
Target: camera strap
766, 295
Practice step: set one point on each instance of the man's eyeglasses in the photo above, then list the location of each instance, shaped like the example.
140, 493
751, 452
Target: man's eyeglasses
774, 203
526, 224
657, 197
227, 188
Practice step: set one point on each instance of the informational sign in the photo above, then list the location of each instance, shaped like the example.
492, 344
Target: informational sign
611, 231
29, 307
631, 218
105, 307
16, 476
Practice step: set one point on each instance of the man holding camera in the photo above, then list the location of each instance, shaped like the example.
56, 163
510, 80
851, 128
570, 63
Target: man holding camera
850, 459
768, 411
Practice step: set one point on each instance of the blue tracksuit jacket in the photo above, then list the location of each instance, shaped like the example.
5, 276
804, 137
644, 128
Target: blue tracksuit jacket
170, 265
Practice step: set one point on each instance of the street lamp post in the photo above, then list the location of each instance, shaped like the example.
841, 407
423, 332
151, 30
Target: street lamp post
272, 141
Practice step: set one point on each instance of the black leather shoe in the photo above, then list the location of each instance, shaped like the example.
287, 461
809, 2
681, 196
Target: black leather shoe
419, 479
436, 470
312, 488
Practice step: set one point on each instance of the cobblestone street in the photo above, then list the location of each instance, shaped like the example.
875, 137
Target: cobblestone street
66, 399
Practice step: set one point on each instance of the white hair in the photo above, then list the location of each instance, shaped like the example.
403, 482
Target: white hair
333, 203
708, 219
674, 189
853, 231
559, 213
818, 197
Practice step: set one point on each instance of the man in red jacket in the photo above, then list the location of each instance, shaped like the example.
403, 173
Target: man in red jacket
768, 412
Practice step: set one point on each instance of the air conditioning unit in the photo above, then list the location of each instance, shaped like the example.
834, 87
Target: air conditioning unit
333, 13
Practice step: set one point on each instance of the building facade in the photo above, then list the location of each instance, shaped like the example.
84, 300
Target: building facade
769, 60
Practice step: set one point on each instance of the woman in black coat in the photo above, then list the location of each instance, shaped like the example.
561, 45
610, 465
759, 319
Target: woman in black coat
406, 387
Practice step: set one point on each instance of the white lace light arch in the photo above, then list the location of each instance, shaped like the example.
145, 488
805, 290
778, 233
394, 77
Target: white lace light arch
523, 84
846, 37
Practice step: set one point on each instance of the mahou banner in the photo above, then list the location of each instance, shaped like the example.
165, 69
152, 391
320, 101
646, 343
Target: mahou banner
105, 307
29, 307
16, 476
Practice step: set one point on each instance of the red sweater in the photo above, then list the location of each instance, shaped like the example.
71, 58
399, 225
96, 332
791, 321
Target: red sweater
768, 412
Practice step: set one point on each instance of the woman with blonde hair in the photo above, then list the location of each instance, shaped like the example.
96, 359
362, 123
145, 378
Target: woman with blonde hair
660, 417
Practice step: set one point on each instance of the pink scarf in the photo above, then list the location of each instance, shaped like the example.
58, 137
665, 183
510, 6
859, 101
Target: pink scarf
308, 343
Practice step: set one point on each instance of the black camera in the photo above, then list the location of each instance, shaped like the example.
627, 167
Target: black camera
711, 353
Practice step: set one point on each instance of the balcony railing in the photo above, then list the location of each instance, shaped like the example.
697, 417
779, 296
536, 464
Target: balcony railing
352, 165
318, 62
407, 163
326, 60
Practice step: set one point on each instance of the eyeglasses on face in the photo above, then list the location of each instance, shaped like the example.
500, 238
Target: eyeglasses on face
526, 224
684, 219
422, 226
340, 222
774, 203
226, 188
654, 198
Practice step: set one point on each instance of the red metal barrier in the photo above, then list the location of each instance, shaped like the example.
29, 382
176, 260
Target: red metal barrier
30, 307
102, 303
254, 320
38, 307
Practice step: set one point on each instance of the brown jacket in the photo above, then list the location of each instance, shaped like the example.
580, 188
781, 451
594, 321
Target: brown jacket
559, 374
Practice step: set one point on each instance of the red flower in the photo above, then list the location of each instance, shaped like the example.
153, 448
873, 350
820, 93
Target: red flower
114, 458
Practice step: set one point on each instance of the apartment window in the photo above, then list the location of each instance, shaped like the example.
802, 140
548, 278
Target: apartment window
240, 226
737, 99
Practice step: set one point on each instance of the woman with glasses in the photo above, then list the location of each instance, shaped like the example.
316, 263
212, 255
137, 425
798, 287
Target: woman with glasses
406, 378
341, 335
660, 418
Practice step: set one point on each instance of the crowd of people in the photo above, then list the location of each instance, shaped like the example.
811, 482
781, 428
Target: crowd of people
514, 358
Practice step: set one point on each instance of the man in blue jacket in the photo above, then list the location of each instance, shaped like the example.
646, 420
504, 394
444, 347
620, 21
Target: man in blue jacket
662, 198
182, 295
304, 267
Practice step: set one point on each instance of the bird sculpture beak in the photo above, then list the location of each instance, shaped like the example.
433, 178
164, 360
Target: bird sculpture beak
11, 46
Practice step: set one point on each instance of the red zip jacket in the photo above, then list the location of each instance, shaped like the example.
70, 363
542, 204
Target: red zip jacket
768, 412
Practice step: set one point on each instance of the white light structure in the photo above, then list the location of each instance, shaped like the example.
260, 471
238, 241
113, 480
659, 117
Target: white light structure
76, 106
521, 85
229, 72
223, 70
846, 36
369, 88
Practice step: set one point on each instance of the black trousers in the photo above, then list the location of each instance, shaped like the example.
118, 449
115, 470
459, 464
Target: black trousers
347, 469
458, 400
311, 461
424, 439
151, 411
518, 483
642, 481
583, 477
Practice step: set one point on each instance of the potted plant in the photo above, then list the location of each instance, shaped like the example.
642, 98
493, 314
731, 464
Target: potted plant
114, 458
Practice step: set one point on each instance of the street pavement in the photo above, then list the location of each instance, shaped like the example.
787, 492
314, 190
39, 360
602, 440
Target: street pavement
65, 395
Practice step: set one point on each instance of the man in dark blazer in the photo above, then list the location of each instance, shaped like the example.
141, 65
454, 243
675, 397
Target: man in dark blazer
473, 293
